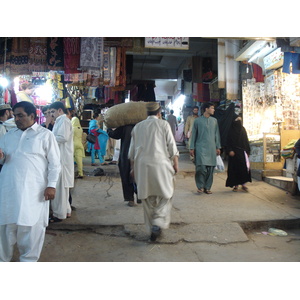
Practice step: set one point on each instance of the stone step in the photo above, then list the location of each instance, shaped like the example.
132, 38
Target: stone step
285, 183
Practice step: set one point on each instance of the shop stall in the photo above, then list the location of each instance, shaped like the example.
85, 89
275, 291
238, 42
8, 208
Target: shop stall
271, 114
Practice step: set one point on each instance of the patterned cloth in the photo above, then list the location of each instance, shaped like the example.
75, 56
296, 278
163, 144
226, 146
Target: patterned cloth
55, 53
91, 52
37, 57
19, 56
71, 54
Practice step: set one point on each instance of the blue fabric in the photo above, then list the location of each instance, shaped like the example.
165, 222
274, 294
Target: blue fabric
93, 153
102, 139
293, 58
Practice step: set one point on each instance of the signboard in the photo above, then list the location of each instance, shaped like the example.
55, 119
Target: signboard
180, 43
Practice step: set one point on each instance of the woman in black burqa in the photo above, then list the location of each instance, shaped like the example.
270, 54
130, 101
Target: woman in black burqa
238, 150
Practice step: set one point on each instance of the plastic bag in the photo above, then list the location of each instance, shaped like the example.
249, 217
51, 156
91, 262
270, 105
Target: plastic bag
278, 232
220, 165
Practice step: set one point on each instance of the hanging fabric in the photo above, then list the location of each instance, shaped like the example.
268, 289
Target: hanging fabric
113, 65
37, 59
71, 54
91, 52
19, 55
55, 53
106, 66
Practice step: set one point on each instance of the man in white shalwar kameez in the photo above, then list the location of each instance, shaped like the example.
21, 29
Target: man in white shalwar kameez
63, 132
154, 160
31, 167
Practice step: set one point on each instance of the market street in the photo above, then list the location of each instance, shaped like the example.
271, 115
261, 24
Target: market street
224, 226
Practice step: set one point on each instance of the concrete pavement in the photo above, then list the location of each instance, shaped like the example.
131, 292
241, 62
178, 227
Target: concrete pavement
222, 217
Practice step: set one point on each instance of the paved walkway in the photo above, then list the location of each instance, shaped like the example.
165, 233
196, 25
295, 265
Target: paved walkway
220, 217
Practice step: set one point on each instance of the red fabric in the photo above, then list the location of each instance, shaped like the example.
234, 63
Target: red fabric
257, 73
201, 92
95, 133
71, 54
6, 96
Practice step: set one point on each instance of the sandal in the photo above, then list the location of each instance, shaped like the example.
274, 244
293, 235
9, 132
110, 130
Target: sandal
235, 189
245, 188
200, 191
208, 192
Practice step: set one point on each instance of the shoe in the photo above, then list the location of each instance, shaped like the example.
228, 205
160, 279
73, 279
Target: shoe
155, 233
131, 203
54, 220
139, 201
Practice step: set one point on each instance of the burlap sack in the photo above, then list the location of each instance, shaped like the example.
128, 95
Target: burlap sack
125, 114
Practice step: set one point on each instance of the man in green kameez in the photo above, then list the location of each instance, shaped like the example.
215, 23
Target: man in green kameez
204, 147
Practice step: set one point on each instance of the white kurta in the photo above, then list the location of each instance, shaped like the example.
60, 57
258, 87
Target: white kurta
32, 163
152, 148
63, 132
2, 129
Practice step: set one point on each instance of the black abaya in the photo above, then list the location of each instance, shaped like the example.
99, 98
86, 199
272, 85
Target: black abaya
237, 141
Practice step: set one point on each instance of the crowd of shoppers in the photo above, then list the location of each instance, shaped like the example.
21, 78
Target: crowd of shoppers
147, 160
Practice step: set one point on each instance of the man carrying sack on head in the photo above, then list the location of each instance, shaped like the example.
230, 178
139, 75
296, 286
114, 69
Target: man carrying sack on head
154, 162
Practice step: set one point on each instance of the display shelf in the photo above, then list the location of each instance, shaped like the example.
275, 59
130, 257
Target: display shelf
265, 152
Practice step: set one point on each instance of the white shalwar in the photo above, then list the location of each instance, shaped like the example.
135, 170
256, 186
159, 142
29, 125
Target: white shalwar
31, 164
152, 149
63, 132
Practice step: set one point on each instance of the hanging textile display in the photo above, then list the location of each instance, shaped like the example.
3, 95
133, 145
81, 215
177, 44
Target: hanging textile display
71, 54
37, 59
121, 67
106, 66
55, 52
5, 52
112, 66
19, 56
91, 52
